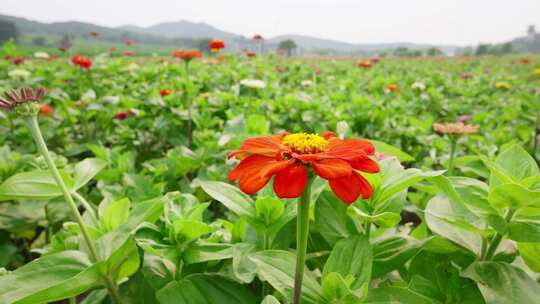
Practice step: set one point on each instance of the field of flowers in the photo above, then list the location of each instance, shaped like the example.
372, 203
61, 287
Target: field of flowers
223, 179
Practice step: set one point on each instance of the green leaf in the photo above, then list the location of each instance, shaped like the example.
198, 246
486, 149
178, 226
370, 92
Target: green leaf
391, 253
244, 268
352, 258
116, 214
32, 185
530, 252
452, 221
235, 200
387, 149
86, 170
331, 219
525, 225
205, 252
503, 283
386, 295
513, 196
205, 289
384, 219
401, 181
257, 124
269, 209
188, 230
513, 163
277, 267
50, 278
336, 289
270, 300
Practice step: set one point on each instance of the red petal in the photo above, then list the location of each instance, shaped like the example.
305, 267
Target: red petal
350, 149
255, 171
332, 168
328, 134
348, 189
267, 146
365, 165
290, 183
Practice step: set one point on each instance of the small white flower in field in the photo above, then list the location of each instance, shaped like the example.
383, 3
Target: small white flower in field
307, 83
253, 83
111, 99
424, 96
89, 95
19, 73
133, 66
331, 78
41, 55
418, 86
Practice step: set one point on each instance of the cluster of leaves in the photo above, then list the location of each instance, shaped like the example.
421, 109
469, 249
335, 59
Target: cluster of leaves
169, 230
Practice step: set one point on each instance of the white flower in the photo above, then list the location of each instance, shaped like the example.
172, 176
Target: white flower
418, 86
133, 66
253, 83
19, 73
41, 55
307, 83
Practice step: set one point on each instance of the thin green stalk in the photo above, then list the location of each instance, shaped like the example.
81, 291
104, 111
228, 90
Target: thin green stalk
42, 147
73, 300
496, 240
453, 144
87, 206
266, 246
302, 233
189, 105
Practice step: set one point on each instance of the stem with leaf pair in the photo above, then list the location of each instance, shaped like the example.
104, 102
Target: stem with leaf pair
496, 240
453, 144
33, 125
302, 234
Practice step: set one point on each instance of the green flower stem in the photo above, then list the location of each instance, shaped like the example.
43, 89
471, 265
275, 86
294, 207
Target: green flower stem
496, 240
86, 206
453, 144
302, 233
42, 147
189, 105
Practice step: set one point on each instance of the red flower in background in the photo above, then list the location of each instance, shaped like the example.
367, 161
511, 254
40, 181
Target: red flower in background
94, 34
216, 45
129, 42
290, 157
164, 92
129, 53
124, 115
62, 49
82, 61
112, 50
45, 110
392, 87
251, 54
525, 61
258, 37
375, 59
187, 54
18, 60
365, 64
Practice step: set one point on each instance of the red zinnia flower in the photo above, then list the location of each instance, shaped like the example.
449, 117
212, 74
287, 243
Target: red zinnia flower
375, 60
82, 61
251, 54
365, 64
290, 157
165, 92
129, 42
525, 60
94, 34
129, 53
392, 87
187, 54
215, 45
18, 60
257, 37
46, 110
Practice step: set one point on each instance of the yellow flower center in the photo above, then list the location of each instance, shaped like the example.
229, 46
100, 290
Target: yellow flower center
305, 143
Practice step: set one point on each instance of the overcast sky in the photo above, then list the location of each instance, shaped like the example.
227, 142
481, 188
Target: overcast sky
424, 21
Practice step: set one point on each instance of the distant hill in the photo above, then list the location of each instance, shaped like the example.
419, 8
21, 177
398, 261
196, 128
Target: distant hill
184, 29
186, 34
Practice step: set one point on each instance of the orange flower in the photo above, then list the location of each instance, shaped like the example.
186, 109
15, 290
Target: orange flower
365, 64
290, 158
129, 53
187, 54
458, 128
165, 92
251, 54
392, 88
46, 110
216, 45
